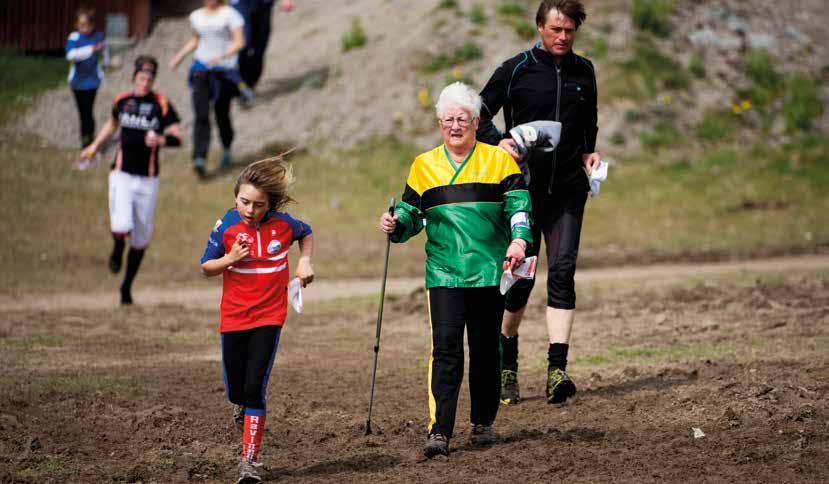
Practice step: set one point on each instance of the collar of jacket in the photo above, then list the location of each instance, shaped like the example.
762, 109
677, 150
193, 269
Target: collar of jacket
547, 58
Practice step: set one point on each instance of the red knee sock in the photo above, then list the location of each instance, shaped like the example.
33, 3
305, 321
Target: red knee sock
252, 434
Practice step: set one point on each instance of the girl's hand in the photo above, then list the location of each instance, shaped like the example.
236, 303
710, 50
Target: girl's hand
153, 139
174, 62
304, 271
238, 252
388, 223
515, 254
88, 152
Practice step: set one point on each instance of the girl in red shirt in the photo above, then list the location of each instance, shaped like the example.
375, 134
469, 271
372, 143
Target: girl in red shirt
249, 248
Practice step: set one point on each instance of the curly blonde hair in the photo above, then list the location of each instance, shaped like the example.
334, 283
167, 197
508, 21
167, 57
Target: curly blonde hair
273, 176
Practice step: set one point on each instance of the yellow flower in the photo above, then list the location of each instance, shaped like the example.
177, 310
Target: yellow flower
746, 104
457, 73
736, 109
667, 99
424, 98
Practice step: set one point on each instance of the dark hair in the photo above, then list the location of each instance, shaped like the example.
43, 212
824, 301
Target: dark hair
86, 11
145, 63
572, 9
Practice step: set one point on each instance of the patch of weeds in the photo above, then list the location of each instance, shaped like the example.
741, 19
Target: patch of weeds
84, 384
767, 83
356, 37
592, 360
52, 468
696, 65
617, 138
512, 9
663, 134
447, 4
33, 342
467, 52
716, 126
598, 50
525, 29
477, 15
653, 16
634, 117
803, 105
648, 71
759, 343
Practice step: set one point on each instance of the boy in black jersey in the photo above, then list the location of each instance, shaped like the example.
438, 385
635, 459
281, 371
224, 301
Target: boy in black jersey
148, 121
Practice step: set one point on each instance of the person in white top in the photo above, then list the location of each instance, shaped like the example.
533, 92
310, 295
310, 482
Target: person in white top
214, 75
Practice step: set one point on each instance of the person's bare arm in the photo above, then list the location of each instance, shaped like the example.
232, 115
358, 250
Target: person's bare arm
237, 43
188, 47
304, 270
214, 267
104, 134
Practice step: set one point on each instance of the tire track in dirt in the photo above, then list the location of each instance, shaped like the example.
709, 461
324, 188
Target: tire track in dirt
204, 295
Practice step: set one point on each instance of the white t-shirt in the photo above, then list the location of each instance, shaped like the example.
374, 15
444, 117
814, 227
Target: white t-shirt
214, 29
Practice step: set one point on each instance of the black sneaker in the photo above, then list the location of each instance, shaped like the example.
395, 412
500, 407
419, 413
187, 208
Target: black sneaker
510, 392
482, 435
239, 416
436, 444
114, 263
126, 296
559, 386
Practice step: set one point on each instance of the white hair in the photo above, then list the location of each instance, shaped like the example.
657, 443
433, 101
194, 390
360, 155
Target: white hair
459, 95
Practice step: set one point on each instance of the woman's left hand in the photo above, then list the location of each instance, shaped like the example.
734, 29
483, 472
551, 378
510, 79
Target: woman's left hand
515, 253
304, 271
591, 161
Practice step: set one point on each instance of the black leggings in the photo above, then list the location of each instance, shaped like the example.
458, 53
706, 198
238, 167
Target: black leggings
559, 217
258, 30
201, 85
85, 100
247, 358
480, 310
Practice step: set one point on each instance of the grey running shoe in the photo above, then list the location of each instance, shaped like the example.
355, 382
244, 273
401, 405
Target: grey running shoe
239, 416
482, 435
249, 471
436, 444
510, 394
559, 386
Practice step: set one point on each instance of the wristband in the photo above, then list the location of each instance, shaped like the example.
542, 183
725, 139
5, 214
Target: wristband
170, 140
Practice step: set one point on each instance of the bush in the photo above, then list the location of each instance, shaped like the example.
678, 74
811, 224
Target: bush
653, 16
467, 52
511, 9
356, 37
523, 28
477, 14
656, 69
716, 126
662, 135
697, 65
803, 104
759, 68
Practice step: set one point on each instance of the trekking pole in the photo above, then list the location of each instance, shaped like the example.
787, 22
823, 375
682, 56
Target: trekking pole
379, 323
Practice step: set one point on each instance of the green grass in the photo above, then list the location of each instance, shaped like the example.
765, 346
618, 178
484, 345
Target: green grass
643, 75
79, 384
468, 51
24, 77
653, 16
803, 104
33, 342
716, 126
354, 38
477, 14
512, 9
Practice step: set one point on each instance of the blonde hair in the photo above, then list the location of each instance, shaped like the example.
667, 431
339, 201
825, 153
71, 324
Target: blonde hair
273, 176
459, 95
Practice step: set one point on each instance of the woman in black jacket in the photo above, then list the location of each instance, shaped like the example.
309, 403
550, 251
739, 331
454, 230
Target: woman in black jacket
548, 82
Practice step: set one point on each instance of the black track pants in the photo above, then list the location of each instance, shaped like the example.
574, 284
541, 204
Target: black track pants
247, 358
559, 218
201, 86
450, 310
85, 100
258, 31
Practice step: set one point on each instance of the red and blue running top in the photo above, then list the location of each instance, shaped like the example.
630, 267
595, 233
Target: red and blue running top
254, 290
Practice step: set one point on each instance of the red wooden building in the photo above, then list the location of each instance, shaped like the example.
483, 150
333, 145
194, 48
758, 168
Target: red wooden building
42, 25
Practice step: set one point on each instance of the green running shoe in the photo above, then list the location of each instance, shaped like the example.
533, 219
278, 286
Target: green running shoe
510, 394
559, 386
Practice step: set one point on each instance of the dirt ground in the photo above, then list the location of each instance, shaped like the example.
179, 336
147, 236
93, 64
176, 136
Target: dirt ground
136, 395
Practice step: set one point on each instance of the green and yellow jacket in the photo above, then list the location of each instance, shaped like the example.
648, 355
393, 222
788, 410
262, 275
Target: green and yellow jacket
470, 213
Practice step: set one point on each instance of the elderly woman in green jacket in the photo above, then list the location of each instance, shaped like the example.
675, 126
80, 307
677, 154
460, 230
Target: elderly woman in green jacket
471, 198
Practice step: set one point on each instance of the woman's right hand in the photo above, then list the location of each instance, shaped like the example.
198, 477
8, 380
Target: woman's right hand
88, 152
508, 145
238, 252
174, 62
388, 223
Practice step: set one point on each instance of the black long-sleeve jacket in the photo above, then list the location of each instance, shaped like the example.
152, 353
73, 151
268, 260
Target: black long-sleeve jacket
531, 87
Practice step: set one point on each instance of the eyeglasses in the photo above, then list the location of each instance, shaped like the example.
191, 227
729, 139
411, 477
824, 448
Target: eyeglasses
463, 123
